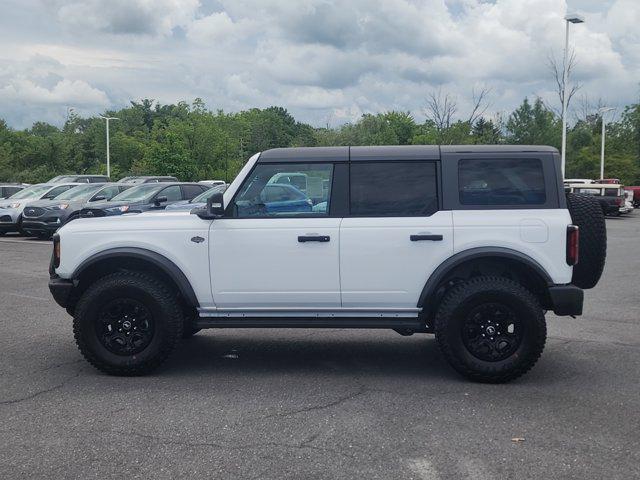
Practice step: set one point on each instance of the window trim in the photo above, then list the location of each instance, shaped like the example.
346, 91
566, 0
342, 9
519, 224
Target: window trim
228, 210
437, 182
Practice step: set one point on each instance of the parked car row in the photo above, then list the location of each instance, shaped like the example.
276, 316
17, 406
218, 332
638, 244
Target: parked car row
41, 209
614, 198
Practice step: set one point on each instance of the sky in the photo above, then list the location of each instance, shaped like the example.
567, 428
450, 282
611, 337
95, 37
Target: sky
327, 61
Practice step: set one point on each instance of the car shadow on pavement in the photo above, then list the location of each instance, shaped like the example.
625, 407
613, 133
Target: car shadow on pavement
309, 352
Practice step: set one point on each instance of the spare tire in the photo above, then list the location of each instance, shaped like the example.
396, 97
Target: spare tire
587, 214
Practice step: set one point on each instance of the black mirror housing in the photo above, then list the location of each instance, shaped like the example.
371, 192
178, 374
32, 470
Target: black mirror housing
159, 200
214, 208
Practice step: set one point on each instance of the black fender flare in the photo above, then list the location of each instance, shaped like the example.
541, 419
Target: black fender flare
158, 260
440, 273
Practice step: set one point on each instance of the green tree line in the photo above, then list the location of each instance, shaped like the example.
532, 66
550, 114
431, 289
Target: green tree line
193, 142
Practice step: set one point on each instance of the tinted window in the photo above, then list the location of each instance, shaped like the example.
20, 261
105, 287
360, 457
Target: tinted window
393, 189
172, 193
53, 193
501, 182
611, 192
269, 191
191, 191
108, 192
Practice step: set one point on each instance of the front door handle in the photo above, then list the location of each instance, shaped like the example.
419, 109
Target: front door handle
420, 237
313, 238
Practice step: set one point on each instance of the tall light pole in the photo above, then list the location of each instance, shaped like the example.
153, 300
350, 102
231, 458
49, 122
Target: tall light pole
108, 164
573, 18
602, 111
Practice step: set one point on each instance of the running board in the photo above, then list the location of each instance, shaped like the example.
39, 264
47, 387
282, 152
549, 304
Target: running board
311, 322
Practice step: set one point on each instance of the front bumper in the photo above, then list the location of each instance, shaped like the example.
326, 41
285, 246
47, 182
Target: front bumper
566, 299
42, 225
9, 220
61, 289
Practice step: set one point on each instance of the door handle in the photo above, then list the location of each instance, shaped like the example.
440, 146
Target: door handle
420, 237
313, 238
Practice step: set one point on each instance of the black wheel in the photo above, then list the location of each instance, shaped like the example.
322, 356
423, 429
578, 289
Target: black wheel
127, 323
586, 213
490, 329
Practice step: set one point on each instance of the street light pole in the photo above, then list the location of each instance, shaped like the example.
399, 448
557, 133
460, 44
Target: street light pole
108, 164
602, 111
565, 74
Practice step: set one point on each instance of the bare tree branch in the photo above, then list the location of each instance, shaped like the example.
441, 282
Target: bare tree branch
480, 104
440, 109
557, 70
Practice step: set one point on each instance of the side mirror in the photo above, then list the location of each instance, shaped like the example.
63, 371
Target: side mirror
159, 200
214, 208
99, 198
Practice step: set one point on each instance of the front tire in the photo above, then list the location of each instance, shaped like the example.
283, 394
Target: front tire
490, 329
127, 323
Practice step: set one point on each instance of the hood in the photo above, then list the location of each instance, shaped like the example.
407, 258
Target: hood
22, 201
185, 205
176, 220
106, 205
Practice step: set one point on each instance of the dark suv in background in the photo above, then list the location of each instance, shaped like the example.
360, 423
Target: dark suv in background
145, 197
43, 217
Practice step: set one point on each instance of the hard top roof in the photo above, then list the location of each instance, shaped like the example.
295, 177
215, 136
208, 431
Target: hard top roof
387, 152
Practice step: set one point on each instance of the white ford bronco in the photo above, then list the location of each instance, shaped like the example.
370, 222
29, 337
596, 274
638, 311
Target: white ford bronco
472, 243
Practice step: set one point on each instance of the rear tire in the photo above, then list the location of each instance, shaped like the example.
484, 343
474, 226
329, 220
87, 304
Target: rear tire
127, 323
490, 329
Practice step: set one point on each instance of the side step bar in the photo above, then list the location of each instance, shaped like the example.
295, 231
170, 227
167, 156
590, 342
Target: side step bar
310, 322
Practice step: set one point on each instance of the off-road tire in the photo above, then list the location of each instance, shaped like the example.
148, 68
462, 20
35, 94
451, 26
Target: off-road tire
141, 287
462, 300
586, 213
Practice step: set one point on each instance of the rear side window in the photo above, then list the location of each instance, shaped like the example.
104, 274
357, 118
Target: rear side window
501, 182
393, 189
191, 191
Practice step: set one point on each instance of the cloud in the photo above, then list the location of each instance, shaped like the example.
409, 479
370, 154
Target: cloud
324, 60
131, 17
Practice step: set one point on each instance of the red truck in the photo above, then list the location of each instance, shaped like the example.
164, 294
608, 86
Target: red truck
636, 195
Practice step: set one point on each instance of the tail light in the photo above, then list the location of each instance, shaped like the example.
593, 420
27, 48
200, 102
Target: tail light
573, 244
56, 251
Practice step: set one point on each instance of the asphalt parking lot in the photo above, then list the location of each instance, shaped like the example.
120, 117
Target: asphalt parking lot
316, 404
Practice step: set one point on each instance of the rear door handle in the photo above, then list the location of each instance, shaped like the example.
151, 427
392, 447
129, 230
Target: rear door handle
313, 238
420, 237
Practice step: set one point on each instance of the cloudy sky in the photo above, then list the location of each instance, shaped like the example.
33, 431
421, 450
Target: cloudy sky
327, 61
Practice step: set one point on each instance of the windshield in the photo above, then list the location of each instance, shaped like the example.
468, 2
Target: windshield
32, 191
204, 196
82, 192
141, 192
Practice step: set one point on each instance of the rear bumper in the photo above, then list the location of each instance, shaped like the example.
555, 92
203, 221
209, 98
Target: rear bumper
61, 289
566, 299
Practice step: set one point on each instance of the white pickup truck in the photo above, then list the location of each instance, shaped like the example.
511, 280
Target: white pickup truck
471, 243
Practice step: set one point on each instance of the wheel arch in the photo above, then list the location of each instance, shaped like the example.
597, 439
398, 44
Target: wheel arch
134, 258
533, 274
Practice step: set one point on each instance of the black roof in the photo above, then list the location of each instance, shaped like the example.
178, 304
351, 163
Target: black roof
386, 152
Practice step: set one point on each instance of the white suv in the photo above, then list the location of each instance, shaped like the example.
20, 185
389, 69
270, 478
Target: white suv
473, 244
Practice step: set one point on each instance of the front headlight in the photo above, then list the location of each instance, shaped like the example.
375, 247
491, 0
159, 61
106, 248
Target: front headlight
63, 206
14, 205
124, 208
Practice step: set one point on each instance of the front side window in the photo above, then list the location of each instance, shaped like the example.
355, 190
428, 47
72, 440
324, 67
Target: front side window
393, 189
501, 182
173, 193
284, 190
